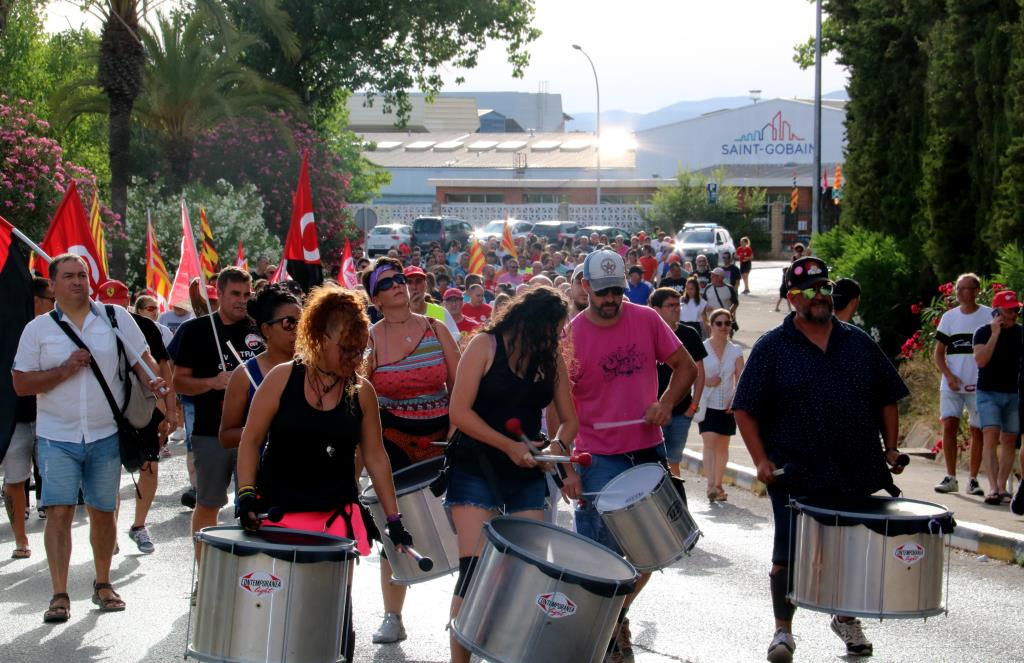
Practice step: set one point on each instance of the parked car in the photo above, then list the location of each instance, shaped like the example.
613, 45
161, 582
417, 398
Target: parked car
440, 229
610, 231
708, 238
496, 227
382, 239
555, 231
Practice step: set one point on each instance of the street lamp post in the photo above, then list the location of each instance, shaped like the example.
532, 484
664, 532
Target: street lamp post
597, 88
815, 188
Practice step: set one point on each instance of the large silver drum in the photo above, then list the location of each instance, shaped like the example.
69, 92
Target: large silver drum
424, 517
542, 594
647, 517
875, 557
271, 595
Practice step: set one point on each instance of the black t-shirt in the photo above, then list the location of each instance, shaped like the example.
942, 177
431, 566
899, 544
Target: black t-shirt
732, 275
195, 348
691, 341
676, 284
1002, 371
153, 338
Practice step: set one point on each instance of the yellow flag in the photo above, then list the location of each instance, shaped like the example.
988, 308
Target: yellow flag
96, 230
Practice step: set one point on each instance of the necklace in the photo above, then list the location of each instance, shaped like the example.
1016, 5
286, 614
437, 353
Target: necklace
320, 386
389, 323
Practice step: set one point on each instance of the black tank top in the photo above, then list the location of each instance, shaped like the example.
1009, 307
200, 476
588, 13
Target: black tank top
502, 395
309, 460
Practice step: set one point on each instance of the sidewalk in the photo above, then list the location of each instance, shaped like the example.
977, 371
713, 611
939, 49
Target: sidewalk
981, 529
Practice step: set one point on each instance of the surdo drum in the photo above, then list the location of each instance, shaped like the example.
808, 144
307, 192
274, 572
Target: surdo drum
542, 594
647, 517
273, 595
874, 557
424, 517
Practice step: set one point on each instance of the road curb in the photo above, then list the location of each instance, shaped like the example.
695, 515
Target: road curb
971, 537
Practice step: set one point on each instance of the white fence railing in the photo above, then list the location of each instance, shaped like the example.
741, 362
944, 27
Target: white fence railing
623, 216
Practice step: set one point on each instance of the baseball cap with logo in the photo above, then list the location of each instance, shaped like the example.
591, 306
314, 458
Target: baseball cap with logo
452, 293
113, 292
577, 272
604, 269
1005, 299
806, 272
413, 270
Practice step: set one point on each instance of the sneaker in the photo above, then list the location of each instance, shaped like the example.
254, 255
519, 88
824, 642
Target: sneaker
1017, 505
141, 538
178, 435
391, 629
624, 641
188, 498
41, 512
947, 485
852, 635
974, 488
782, 647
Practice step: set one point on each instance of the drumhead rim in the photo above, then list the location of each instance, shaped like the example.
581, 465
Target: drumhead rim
343, 548
802, 507
641, 467
369, 495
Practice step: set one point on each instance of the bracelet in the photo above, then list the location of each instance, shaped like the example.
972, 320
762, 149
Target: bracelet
394, 518
563, 445
247, 489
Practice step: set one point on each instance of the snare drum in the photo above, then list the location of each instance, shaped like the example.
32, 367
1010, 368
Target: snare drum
873, 557
271, 595
542, 594
423, 515
646, 515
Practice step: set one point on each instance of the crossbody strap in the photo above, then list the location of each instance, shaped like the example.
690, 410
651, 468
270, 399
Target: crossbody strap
92, 364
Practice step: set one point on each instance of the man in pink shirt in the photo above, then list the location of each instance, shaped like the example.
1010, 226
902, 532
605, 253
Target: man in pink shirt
616, 349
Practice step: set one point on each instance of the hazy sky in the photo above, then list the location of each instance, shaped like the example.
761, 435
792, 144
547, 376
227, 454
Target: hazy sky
648, 53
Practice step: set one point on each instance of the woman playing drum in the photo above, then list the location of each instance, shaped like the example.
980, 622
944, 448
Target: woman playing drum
412, 368
513, 368
317, 411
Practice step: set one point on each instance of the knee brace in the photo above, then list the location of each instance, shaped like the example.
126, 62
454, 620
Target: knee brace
779, 583
466, 568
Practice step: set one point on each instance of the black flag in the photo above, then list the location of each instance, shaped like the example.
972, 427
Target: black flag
16, 311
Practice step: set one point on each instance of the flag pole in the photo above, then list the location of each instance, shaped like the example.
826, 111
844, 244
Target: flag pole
32, 245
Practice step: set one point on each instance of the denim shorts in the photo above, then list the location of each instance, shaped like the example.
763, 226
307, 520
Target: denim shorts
594, 478
188, 410
67, 466
675, 432
468, 489
953, 403
999, 410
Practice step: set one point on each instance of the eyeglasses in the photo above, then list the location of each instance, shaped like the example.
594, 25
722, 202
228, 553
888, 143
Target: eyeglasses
722, 323
614, 291
151, 307
288, 322
386, 284
809, 293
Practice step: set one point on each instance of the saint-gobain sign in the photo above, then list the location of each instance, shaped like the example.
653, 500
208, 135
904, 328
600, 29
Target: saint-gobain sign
774, 138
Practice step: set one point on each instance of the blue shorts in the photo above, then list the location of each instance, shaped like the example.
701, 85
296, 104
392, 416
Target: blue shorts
188, 409
468, 489
67, 466
675, 432
594, 478
999, 410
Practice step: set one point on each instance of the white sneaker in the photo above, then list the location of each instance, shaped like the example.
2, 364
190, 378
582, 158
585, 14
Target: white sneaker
852, 634
782, 647
947, 485
391, 629
974, 488
141, 538
178, 434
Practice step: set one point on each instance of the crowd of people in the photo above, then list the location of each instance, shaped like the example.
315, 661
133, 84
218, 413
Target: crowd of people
264, 382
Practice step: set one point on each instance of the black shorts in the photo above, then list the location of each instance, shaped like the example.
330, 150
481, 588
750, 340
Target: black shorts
718, 421
745, 267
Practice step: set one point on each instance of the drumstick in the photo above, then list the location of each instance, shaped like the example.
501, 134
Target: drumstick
241, 363
425, 563
616, 424
274, 514
515, 427
583, 459
440, 443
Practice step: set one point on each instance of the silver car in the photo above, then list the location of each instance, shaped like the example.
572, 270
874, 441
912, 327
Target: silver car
708, 238
390, 236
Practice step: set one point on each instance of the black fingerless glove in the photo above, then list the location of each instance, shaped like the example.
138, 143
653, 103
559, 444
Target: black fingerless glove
398, 534
246, 503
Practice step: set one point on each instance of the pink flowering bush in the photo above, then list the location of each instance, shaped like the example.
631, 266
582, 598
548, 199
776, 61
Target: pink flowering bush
267, 152
945, 299
34, 174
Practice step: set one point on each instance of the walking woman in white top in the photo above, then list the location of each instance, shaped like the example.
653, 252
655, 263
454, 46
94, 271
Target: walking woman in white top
722, 368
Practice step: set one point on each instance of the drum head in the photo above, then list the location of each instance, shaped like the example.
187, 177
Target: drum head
562, 554
630, 487
410, 479
280, 543
894, 516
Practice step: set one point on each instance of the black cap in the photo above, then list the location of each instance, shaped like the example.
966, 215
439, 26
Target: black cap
636, 269
806, 272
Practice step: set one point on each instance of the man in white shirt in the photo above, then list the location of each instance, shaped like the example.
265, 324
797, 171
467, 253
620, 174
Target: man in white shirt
76, 430
954, 356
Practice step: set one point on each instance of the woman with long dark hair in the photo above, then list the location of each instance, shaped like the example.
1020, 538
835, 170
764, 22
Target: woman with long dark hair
512, 369
314, 413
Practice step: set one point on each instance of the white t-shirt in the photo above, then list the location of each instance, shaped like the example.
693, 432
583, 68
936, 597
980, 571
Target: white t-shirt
720, 397
956, 330
692, 311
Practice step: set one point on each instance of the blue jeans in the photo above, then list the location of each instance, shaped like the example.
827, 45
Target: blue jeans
594, 478
67, 466
675, 432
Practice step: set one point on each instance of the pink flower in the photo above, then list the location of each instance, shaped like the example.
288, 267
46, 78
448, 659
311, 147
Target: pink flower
915, 309
996, 287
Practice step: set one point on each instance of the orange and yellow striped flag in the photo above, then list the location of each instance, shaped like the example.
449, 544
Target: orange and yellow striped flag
96, 229
794, 200
208, 257
158, 280
476, 258
507, 244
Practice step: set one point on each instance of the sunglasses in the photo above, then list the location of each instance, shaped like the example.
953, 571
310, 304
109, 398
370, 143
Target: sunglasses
386, 284
614, 291
722, 323
288, 322
809, 293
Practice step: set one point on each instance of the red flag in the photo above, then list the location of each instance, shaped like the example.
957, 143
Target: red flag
70, 233
347, 274
188, 265
240, 260
824, 180
281, 273
5, 241
301, 247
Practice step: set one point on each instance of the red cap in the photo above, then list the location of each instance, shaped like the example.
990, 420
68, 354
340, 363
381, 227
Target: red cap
211, 292
452, 293
674, 258
1005, 299
112, 292
414, 271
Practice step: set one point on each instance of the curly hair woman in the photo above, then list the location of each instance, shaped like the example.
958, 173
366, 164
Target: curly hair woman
317, 411
513, 368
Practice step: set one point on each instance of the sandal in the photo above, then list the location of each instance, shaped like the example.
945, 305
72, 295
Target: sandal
722, 495
712, 495
57, 614
994, 499
21, 553
112, 603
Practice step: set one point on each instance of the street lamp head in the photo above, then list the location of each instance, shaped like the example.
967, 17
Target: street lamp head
577, 47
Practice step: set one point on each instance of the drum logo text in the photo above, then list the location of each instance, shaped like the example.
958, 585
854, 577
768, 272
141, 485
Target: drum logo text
909, 553
675, 511
260, 582
556, 605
